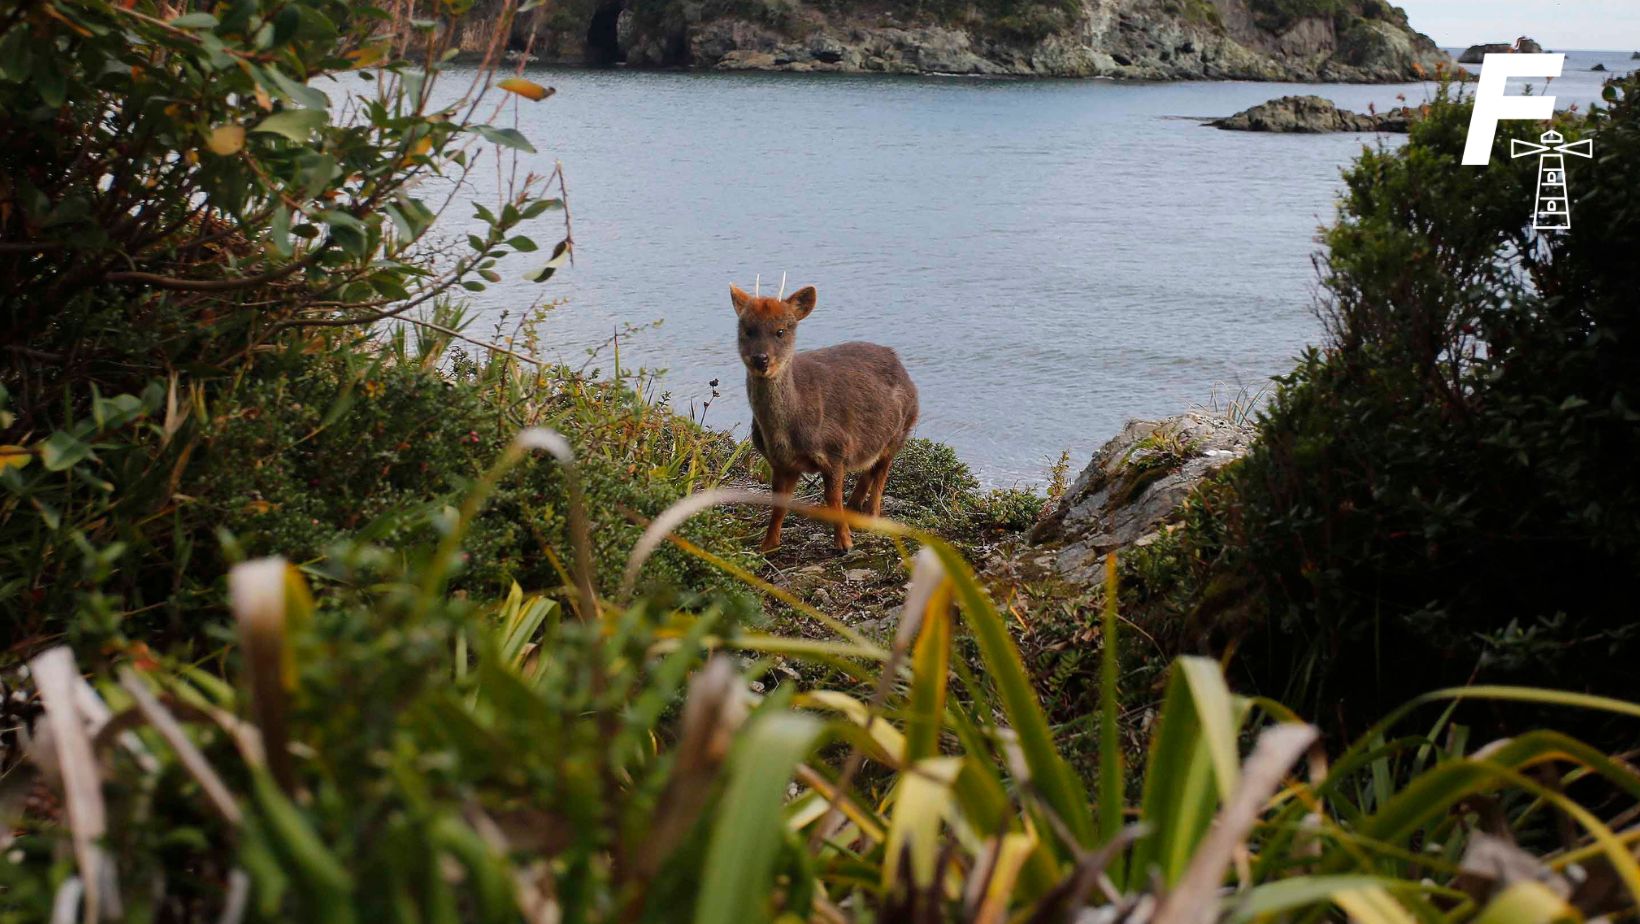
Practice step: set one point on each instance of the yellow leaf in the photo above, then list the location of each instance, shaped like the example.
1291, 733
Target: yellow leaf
226, 139
368, 55
528, 89
922, 800
14, 457
1527, 901
1372, 905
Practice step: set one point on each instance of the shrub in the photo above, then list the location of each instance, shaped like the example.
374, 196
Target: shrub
1446, 491
373, 445
180, 188
354, 442
182, 195
929, 475
1011, 510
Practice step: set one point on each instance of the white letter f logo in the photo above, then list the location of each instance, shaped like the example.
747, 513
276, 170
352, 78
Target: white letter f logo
1491, 105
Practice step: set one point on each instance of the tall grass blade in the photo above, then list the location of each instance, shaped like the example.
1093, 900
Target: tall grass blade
739, 870
921, 803
1272, 899
930, 675
325, 883
216, 791
257, 590
1277, 750
1194, 729
56, 678
1050, 774
1008, 856
1372, 905
1526, 903
1111, 782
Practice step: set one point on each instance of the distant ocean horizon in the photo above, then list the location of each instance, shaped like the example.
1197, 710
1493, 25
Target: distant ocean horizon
1049, 257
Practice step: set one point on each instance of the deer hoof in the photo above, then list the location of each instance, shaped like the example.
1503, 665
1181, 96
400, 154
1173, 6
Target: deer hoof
768, 545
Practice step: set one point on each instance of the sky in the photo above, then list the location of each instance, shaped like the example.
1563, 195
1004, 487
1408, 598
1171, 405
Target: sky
1559, 25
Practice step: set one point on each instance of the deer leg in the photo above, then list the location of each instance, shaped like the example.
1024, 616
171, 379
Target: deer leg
833, 478
781, 483
879, 478
857, 499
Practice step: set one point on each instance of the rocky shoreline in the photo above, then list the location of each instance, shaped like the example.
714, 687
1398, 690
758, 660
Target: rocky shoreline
1358, 41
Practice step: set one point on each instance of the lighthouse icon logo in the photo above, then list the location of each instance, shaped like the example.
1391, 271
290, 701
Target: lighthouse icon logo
1553, 211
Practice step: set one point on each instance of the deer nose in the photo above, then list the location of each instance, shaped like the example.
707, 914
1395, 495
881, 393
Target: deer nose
760, 361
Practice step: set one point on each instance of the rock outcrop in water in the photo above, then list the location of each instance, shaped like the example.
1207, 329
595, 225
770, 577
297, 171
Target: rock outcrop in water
1312, 115
1475, 54
1133, 488
1285, 40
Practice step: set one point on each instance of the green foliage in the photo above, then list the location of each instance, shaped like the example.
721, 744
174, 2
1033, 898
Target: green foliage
183, 199
346, 443
1197, 11
1009, 510
1446, 491
929, 476
938, 491
178, 190
1278, 15
518, 758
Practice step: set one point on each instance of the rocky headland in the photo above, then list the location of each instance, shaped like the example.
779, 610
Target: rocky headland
1277, 40
1313, 115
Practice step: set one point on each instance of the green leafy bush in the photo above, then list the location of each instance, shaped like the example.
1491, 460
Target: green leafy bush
182, 194
1011, 510
374, 445
929, 475
1446, 491
180, 188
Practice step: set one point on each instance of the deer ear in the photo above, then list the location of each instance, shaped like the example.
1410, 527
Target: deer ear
739, 299
802, 301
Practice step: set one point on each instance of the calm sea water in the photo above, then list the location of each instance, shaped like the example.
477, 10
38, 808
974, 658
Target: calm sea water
1050, 257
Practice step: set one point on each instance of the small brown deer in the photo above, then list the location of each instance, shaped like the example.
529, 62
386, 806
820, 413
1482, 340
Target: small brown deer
835, 410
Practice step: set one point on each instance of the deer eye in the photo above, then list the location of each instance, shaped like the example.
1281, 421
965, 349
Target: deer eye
780, 333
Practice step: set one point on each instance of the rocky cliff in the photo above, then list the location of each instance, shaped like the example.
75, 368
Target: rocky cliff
1291, 40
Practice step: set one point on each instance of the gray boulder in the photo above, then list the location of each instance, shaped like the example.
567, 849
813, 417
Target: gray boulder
1133, 487
1312, 115
1475, 54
